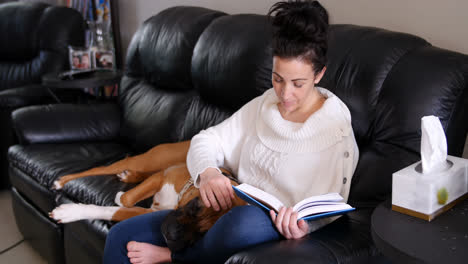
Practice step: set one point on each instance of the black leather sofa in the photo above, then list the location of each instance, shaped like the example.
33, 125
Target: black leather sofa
34, 41
189, 68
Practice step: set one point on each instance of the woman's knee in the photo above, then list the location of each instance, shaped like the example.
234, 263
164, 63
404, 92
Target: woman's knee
249, 222
243, 213
142, 228
115, 250
117, 237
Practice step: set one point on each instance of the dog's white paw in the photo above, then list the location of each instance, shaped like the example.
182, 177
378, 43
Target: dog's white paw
118, 196
57, 185
67, 213
123, 175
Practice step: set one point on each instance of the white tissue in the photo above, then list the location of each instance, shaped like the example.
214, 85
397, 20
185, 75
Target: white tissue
433, 145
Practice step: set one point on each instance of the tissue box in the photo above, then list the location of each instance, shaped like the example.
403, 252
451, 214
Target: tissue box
427, 195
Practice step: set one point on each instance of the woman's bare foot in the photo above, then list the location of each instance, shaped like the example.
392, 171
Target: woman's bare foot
144, 253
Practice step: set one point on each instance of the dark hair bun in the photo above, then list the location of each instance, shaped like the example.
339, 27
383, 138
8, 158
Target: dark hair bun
300, 31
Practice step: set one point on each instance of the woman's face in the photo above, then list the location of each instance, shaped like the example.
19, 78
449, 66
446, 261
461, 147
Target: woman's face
294, 83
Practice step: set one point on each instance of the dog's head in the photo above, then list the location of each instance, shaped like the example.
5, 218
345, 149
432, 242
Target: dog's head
181, 227
187, 224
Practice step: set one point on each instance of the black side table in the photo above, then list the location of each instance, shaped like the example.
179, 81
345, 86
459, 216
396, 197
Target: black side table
95, 79
407, 239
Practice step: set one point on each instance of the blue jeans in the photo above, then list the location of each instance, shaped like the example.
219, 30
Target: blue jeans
240, 228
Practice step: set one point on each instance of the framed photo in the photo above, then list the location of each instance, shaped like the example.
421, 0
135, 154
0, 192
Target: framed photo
104, 59
80, 59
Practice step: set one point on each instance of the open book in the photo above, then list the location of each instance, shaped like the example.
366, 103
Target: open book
311, 208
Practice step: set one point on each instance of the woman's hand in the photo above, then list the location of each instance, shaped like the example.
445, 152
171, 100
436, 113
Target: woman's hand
287, 224
216, 189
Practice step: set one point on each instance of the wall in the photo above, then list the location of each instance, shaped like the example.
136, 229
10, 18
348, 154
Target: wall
442, 23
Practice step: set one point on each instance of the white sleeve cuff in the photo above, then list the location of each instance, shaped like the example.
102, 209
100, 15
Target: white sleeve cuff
196, 180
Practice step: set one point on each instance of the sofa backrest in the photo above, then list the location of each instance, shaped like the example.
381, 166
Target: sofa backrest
158, 82
35, 39
360, 61
231, 65
388, 80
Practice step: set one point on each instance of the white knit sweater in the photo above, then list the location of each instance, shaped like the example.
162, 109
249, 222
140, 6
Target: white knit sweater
290, 160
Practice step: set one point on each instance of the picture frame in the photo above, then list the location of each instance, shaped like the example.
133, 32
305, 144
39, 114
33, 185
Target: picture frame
104, 59
102, 10
79, 58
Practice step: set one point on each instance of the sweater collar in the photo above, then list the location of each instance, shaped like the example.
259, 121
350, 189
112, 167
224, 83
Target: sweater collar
324, 128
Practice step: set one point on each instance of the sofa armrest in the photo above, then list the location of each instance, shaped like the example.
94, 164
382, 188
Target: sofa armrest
31, 94
64, 123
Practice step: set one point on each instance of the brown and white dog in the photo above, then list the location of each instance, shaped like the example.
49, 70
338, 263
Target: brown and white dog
163, 174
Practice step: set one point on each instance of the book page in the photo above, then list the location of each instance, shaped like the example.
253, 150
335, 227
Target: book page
307, 205
322, 209
261, 196
329, 197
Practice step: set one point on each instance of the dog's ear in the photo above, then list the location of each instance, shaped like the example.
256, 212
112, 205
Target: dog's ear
173, 231
189, 211
226, 172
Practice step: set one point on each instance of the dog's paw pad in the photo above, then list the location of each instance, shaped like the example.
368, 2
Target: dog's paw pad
57, 185
118, 196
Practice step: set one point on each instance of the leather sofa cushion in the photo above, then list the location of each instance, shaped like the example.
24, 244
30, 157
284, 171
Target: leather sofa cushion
232, 60
28, 28
26, 95
148, 113
158, 80
98, 190
90, 232
43, 235
42, 167
161, 50
17, 74
80, 243
225, 80
342, 241
34, 43
389, 81
19, 23
360, 59
198, 115
66, 123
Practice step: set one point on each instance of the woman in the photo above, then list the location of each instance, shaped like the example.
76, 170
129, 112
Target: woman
302, 144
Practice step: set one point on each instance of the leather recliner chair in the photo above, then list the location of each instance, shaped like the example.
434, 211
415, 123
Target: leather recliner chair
34, 42
189, 68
